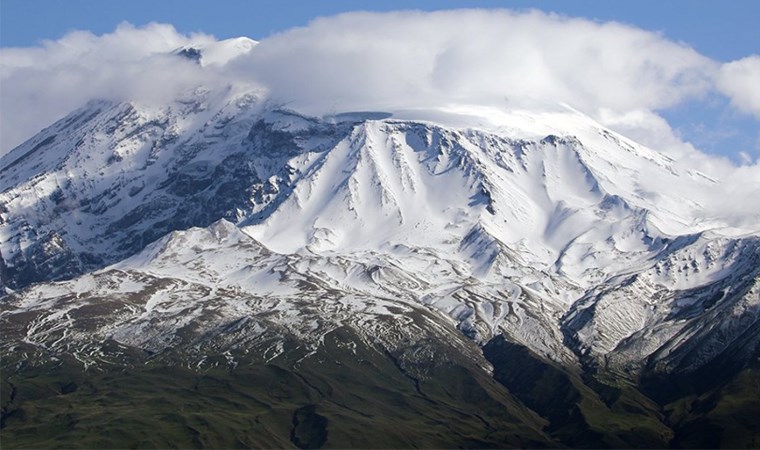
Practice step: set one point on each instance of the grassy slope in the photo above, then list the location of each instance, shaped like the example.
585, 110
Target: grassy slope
363, 397
333, 399
725, 417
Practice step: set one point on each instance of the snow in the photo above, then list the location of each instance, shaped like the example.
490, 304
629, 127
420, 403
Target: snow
534, 224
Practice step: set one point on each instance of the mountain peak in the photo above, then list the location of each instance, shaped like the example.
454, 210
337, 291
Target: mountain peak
218, 53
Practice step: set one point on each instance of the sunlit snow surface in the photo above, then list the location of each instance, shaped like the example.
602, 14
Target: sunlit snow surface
540, 224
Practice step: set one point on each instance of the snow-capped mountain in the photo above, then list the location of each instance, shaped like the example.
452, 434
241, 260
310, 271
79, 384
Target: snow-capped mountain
223, 225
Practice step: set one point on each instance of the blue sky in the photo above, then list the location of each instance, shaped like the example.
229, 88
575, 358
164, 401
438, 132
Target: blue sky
720, 30
723, 31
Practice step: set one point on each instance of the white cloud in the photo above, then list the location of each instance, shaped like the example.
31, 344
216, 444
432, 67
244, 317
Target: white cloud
619, 74
648, 128
367, 60
40, 85
740, 81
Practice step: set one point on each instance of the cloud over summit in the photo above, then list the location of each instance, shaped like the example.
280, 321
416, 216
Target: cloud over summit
477, 56
42, 84
363, 61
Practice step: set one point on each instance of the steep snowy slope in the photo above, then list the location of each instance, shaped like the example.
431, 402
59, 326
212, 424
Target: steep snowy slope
109, 179
504, 228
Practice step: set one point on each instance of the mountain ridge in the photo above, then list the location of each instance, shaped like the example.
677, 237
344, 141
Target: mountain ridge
221, 231
456, 192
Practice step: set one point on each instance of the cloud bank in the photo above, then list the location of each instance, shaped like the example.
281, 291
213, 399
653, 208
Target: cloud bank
42, 84
618, 74
478, 56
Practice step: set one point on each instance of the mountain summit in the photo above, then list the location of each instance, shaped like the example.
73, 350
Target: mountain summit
217, 53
